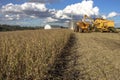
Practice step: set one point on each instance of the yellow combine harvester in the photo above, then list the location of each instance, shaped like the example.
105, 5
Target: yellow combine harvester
82, 26
98, 24
104, 25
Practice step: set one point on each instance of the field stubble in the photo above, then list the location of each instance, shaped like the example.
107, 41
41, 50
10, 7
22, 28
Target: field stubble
100, 54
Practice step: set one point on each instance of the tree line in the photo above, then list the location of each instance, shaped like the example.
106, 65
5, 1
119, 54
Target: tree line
4, 27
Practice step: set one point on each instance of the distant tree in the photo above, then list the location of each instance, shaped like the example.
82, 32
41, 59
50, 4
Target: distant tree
4, 27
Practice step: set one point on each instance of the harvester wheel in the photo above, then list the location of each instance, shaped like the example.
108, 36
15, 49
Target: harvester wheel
112, 29
101, 30
89, 30
95, 29
80, 30
76, 28
85, 30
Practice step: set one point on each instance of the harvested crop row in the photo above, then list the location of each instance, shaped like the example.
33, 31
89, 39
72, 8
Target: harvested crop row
100, 56
29, 54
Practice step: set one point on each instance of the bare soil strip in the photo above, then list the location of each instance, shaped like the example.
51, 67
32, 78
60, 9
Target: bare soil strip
64, 67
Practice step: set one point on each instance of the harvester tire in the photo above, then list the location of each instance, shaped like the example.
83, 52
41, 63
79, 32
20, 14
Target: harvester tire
101, 30
89, 30
76, 28
95, 29
80, 30
113, 30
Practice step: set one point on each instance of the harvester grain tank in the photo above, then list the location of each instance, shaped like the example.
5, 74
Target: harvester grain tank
104, 25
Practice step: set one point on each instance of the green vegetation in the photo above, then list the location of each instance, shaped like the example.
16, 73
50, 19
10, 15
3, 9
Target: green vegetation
5, 27
16, 27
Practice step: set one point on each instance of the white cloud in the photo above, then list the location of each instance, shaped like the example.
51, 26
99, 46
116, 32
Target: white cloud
85, 7
12, 17
77, 9
112, 14
28, 6
26, 10
33, 6
96, 10
33, 17
50, 19
17, 16
11, 8
65, 17
6, 16
45, 1
104, 17
36, 9
59, 14
40, 11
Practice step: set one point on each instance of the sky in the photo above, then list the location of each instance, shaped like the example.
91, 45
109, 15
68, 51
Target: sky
56, 12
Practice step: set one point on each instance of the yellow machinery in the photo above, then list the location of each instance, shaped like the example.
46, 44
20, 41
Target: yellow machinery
82, 26
104, 25
98, 24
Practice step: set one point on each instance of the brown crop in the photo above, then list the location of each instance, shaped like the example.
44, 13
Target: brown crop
29, 54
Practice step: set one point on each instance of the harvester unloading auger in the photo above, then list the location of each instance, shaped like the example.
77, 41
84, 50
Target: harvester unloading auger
93, 25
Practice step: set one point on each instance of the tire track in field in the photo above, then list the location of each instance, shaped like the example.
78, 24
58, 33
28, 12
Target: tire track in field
66, 64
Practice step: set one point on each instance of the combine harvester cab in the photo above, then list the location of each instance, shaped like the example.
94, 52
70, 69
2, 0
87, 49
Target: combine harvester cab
82, 27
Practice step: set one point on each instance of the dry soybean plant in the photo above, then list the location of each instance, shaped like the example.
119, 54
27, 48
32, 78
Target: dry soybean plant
28, 55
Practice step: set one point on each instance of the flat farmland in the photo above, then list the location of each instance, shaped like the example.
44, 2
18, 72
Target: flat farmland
59, 55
